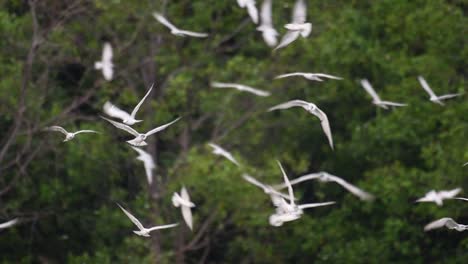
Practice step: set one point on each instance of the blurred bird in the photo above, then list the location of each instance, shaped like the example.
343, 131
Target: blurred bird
148, 162
144, 231
176, 31
311, 108
298, 26
9, 224
269, 33
251, 9
106, 65
183, 201
310, 76
68, 135
327, 177
217, 150
447, 222
376, 99
433, 97
240, 87
128, 119
438, 197
139, 139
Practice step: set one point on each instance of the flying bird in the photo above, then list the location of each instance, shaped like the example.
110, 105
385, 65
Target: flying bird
376, 99
176, 31
106, 65
298, 26
9, 224
313, 109
144, 231
310, 76
327, 177
433, 97
148, 162
447, 222
269, 33
440, 196
240, 87
68, 135
128, 119
251, 9
217, 150
139, 139
182, 200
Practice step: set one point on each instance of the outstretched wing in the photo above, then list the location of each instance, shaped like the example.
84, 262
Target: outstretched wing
107, 52
9, 223
426, 87
265, 13
450, 194
288, 184
114, 111
56, 129
164, 21
123, 127
351, 188
132, 218
137, 107
439, 223
312, 176
254, 91
155, 130
299, 12
194, 34
312, 205
186, 211
328, 76
289, 104
287, 39
162, 227
289, 75
86, 131
325, 124
368, 87
253, 12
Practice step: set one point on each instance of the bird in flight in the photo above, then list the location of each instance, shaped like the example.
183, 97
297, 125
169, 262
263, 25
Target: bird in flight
240, 87
182, 200
311, 108
439, 196
251, 9
376, 99
139, 139
106, 65
148, 163
309, 76
447, 222
68, 135
176, 31
128, 119
327, 177
298, 26
433, 97
144, 231
217, 150
269, 33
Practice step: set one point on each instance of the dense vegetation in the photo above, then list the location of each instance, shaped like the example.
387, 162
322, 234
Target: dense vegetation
65, 193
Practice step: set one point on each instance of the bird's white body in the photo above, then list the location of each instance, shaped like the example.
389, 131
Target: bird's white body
143, 231
68, 135
106, 65
217, 150
447, 222
176, 31
148, 163
139, 139
313, 109
309, 76
240, 87
375, 97
433, 97
182, 200
439, 196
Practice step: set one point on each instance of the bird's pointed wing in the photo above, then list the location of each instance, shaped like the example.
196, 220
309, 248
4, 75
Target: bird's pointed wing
438, 223
224, 85
132, 218
312, 176
392, 103
107, 71
449, 194
162, 227
253, 12
123, 127
267, 189
164, 21
448, 96
351, 188
299, 12
9, 223
368, 87
113, 111
186, 211
328, 76
426, 87
461, 198
86, 131
155, 130
137, 107
312, 205
265, 13
287, 39
223, 152
288, 184
325, 124
107, 52
289, 104
56, 129
254, 90
194, 34
289, 75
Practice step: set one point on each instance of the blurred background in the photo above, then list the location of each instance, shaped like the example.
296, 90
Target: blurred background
65, 193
